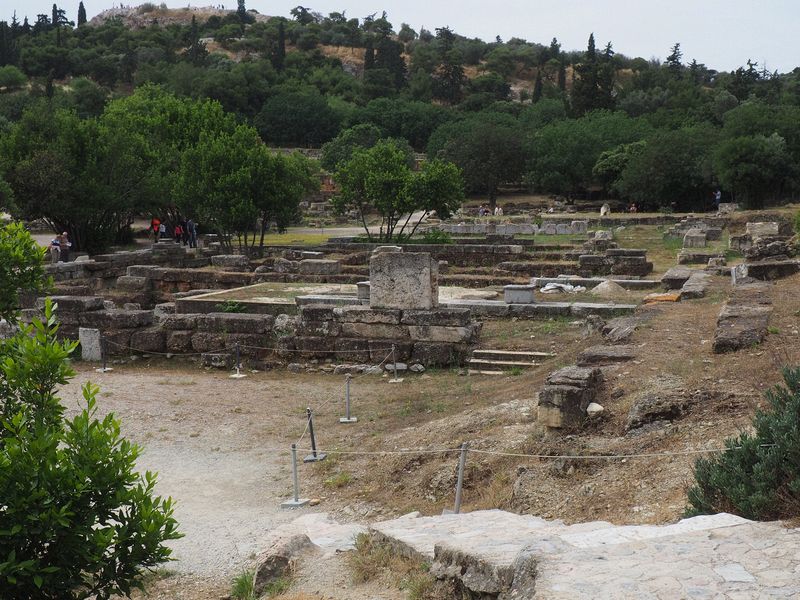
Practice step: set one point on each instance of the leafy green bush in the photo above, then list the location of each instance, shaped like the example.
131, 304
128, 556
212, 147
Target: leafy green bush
231, 306
758, 476
21, 268
797, 223
436, 236
77, 521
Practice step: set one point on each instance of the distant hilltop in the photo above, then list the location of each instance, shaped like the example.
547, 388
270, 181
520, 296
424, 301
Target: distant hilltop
148, 13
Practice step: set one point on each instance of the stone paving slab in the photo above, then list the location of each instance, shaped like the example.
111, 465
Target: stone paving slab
713, 556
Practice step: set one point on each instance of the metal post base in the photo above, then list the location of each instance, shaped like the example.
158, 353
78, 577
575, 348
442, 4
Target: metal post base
237, 375
292, 503
398, 380
346, 420
104, 370
311, 458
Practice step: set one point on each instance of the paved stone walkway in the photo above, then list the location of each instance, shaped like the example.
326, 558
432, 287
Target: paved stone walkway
509, 556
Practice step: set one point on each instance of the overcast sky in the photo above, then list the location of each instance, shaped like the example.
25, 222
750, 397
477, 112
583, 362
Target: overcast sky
723, 34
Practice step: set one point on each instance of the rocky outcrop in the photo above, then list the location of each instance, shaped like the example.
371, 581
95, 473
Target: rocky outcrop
566, 394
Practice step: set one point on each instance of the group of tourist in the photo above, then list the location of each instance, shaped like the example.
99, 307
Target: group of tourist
485, 211
59, 248
184, 231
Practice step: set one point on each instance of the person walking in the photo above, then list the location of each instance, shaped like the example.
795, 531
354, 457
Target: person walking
178, 233
65, 247
162, 232
192, 231
55, 249
155, 222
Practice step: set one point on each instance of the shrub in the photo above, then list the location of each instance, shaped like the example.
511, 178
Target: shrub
797, 223
77, 521
436, 236
231, 306
758, 476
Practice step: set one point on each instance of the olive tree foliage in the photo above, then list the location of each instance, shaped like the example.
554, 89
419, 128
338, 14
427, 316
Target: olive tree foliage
379, 179
228, 181
21, 261
78, 521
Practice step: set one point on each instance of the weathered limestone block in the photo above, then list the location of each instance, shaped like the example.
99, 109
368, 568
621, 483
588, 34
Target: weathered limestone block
696, 286
380, 350
77, 304
657, 407
316, 312
765, 248
149, 340
740, 243
281, 265
438, 354
695, 257
162, 310
374, 331
676, 277
549, 229
563, 229
149, 271
365, 314
694, 238
519, 294
117, 342
278, 560
714, 234
436, 333
179, 321
363, 291
230, 261
236, 323
315, 346
117, 319
580, 227
352, 350
451, 317
605, 355
763, 229
567, 393
404, 280
319, 328
133, 284
91, 349
179, 341
207, 342
320, 267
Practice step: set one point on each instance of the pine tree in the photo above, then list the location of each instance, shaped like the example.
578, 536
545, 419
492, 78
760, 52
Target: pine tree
197, 50
537, 88
241, 10
674, 60
54, 19
81, 14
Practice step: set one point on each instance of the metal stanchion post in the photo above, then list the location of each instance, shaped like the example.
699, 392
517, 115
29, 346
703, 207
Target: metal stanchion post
103, 354
462, 459
394, 365
314, 456
238, 374
296, 501
347, 418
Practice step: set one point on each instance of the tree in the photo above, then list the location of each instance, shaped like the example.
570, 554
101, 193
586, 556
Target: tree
611, 164
196, 53
537, 87
11, 78
297, 116
674, 168
78, 521
341, 148
449, 77
279, 55
241, 10
593, 86
758, 474
380, 179
20, 267
674, 64
755, 168
487, 148
81, 14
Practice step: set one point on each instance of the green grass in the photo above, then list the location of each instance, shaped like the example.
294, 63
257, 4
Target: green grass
242, 586
339, 480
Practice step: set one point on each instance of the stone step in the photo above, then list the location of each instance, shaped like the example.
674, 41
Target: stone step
510, 354
483, 372
479, 362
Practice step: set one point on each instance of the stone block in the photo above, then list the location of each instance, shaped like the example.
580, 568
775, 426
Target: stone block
149, 340
315, 346
579, 227
319, 328
316, 312
374, 331
236, 323
314, 266
203, 341
91, 348
129, 283
438, 354
676, 277
519, 294
162, 310
380, 350
605, 355
179, 321
563, 405
696, 286
77, 304
387, 249
452, 317
436, 333
142, 271
740, 243
714, 234
117, 319
281, 265
352, 350
363, 291
365, 314
763, 229
563, 229
576, 376
179, 341
694, 238
404, 280
230, 261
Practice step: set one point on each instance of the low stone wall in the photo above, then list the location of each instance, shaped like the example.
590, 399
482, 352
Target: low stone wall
615, 261
438, 337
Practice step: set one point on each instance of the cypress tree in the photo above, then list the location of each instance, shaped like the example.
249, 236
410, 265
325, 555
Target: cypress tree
537, 87
81, 14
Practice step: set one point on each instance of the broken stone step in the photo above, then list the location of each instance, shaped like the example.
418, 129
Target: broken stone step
497, 354
483, 372
501, 363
